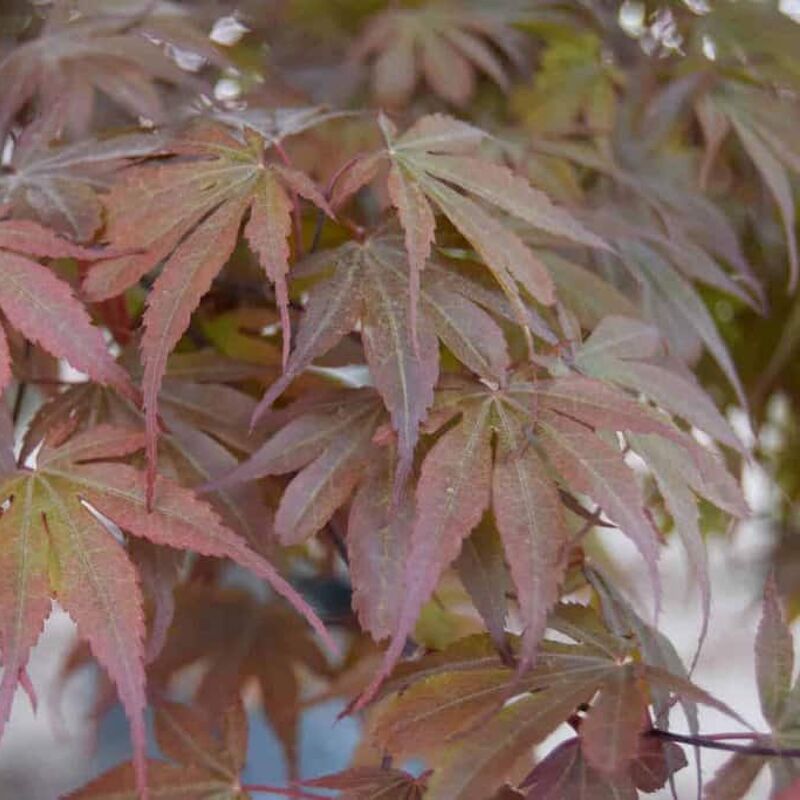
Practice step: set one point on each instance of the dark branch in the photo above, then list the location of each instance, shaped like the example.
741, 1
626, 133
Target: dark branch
714, 743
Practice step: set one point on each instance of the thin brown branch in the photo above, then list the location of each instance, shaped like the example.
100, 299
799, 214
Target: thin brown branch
713, 742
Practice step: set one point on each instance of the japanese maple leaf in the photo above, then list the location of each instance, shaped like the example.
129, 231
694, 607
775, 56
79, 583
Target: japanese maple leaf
75, 56
330, 440
45, 310
444, 45
566, 775
435, 164
505, 452
631, 212
58, 186
371, 783
452, 703
239, 639
201, 765
189, 210
434, 701
56, 546
369, 284
206, 424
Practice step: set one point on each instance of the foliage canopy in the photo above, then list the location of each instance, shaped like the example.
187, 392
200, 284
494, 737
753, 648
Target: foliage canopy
425, 304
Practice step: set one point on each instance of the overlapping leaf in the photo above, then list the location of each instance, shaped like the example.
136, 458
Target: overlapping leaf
44, 308
58, 186
435, 165
201, 766
444, 46
190, 210
536, 427
238, 639
78, 55
57, 544
330, 442
451, 705
370, 285
435, 158
764, 127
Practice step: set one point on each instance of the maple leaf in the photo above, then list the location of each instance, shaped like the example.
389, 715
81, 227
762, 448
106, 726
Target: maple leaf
370, 285
436, 161
57, 186
572, 86
201, 766
191, 208
205, 424
437, 154
239, 639
434, 703
453, 704
77, 55
57, 545
371, 783
565, 774
444, 46
700, 238
462, 477
45, 310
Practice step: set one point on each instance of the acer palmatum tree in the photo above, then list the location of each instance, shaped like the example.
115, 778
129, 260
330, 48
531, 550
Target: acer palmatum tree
411, 311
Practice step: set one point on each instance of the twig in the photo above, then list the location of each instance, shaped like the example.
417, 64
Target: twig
713, 742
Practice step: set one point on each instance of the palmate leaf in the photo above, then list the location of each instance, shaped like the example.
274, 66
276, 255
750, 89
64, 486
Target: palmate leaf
370, 284
57, 545
476, 763
205, 423
444, 46
433, 703
435, 165
191, 208
566, 775
700, 240
201, 765
438, 153
461, 477
454, 705
239, 640
58, 186
43, 307
79, 55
